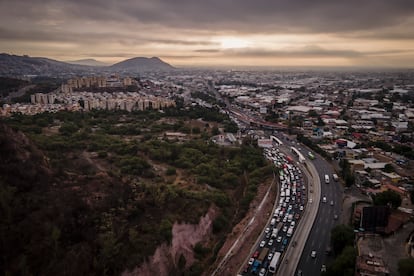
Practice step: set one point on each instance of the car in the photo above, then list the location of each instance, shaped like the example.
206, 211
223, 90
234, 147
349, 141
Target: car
324, 199
297, 216
313, 254
279, 239
262, 243
256, 254
335, 217
310, 200
285, 241
300, 273
284, 228
270, 256
251, 261
268, 235
332, 203
270, 243
267, 230
262, 272
323, 268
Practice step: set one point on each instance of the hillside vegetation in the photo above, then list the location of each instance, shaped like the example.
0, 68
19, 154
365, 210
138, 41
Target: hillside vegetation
96, 193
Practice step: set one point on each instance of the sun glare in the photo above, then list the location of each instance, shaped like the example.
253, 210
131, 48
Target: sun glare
232, 43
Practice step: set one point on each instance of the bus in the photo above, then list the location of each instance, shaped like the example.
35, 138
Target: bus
275, 139
311, 156
274, 262
298, 154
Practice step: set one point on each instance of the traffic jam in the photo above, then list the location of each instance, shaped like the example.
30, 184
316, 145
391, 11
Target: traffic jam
278, 233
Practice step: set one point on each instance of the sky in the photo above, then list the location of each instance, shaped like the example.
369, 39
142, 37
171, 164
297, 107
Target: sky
356, 33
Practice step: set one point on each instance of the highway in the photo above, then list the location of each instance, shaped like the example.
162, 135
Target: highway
319, 238
291, 251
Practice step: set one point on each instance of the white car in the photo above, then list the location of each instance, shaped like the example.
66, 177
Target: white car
262, 272
313, 254
279, 239
251, 261
262, 243
270, 256
324, 199
267, 230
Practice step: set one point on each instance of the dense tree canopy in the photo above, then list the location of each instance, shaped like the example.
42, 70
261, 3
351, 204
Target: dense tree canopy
388, 198
342, 236
406, 267
105, 188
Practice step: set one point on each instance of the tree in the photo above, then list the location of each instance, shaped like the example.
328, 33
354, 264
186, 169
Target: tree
406, 267
344, 264
389, 168
312, 113
320, 122
215, 131
388, 197
412, 196
341, 236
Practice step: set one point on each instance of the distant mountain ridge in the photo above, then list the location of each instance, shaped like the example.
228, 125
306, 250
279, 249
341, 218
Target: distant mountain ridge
11, 65
142, 64
88, 62
25, 65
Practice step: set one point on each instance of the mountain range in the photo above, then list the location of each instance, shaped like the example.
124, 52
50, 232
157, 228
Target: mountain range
88, 62
24, 65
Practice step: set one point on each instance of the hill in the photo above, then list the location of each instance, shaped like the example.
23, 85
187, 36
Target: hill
12, 65
106, 202
142, 64
88, 62
25, 65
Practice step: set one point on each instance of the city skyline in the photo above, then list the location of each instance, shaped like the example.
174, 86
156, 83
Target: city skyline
214, 33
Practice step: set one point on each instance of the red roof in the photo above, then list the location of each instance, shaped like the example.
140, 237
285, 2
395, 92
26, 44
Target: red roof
357, 135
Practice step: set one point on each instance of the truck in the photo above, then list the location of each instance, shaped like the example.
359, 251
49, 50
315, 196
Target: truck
274, 262
274, 233
287, 192
289, 231
263, 254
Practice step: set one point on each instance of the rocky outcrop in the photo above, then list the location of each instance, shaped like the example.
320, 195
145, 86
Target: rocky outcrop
184, 237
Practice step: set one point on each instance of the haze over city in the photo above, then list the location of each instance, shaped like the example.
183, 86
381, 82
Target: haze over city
214, 33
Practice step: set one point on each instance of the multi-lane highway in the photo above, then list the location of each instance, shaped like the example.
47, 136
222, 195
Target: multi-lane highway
327, 195
319, 238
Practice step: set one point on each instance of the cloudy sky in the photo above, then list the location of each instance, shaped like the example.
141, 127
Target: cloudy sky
369, 33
